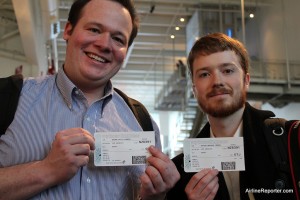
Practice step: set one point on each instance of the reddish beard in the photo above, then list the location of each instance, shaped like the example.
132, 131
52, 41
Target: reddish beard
221, 109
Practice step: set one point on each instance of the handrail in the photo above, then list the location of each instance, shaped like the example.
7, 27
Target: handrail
276, 70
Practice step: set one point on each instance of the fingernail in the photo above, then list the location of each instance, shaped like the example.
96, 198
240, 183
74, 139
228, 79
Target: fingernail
151, 147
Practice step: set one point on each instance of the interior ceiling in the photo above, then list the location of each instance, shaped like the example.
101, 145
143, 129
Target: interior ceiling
153, 55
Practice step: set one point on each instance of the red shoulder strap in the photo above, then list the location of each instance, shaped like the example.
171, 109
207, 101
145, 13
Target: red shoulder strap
294, 155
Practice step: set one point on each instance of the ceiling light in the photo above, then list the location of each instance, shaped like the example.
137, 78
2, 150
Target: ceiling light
177, 28
251, 15
172, 36
182, 19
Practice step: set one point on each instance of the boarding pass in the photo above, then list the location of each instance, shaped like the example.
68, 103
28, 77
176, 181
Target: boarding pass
122, 148
223, 154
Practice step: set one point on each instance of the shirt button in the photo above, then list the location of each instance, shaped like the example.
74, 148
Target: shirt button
76, 92
88, 180
88, 119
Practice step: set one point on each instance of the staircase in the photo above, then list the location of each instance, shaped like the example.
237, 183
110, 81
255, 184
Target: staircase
172, 96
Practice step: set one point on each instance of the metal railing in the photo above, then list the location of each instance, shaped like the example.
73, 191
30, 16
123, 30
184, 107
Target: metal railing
276, 71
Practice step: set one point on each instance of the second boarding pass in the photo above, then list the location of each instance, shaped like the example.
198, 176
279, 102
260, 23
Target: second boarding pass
223, 154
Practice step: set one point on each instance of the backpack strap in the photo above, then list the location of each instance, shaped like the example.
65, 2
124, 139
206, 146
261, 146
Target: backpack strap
294, 150
10, 88
276, 138
139, 111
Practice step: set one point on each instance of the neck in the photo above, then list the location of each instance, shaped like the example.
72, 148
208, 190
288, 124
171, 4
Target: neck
92, 89
226, 126
93, 96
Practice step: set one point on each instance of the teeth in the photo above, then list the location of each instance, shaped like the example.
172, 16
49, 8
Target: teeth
95, 57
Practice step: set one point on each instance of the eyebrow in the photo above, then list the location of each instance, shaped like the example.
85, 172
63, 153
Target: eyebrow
228, 64
222, 65
114, 32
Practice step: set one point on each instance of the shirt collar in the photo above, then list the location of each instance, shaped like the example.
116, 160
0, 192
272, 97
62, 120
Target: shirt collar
66, 87
238, 132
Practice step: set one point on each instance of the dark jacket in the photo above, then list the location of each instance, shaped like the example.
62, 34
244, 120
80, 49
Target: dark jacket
260, 171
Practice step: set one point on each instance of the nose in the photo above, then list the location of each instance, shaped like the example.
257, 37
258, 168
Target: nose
217, 79
103, 41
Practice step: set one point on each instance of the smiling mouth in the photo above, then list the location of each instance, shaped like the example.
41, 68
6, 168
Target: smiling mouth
96, 58
219, 92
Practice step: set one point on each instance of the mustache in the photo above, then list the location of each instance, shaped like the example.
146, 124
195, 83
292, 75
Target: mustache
218, 91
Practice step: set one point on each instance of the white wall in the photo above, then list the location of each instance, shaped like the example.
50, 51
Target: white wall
12, 56
273, 35
274, 32
7, 67
289, 112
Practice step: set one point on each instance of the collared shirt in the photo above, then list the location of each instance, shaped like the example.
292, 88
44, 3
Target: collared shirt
232, 178
53, 103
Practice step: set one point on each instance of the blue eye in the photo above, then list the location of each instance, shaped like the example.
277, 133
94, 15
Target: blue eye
94, 30
228, 71
203, 75
118, 39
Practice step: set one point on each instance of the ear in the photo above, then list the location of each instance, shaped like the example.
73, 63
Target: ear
247, 81
68, 31
194, 91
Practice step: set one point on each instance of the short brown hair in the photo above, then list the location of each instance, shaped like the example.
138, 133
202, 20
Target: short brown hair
218, 42
78, 5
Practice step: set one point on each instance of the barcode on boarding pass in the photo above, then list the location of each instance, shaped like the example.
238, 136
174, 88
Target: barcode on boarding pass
138, 159
228, 165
